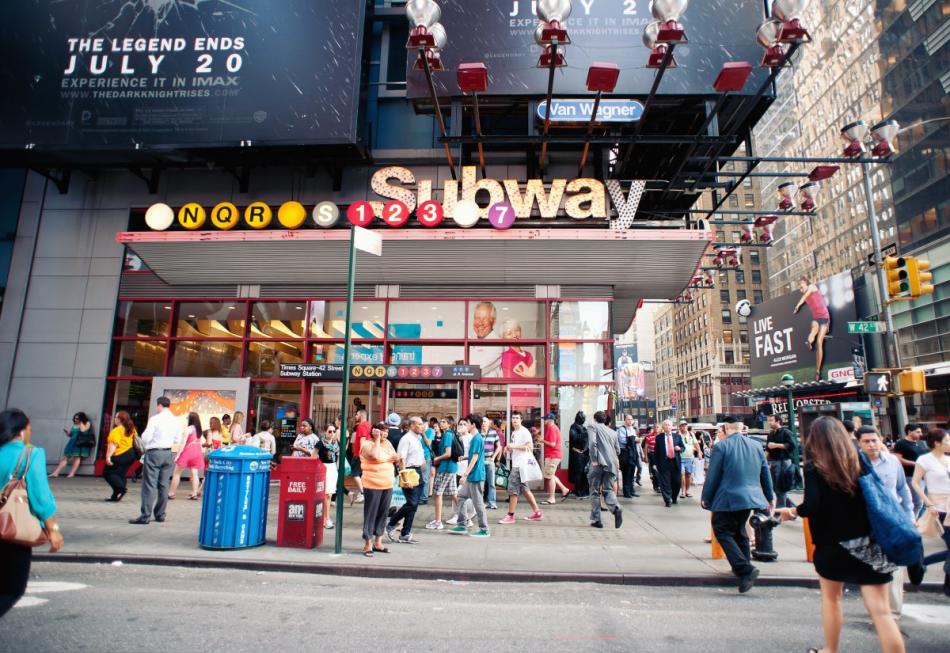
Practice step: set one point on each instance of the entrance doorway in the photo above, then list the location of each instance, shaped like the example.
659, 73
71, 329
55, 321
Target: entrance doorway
326, 402
498, 402
425, 399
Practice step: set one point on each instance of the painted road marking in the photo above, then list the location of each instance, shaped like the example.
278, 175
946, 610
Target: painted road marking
45, 587
928, 614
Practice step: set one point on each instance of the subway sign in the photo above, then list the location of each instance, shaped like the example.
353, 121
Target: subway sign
403, 196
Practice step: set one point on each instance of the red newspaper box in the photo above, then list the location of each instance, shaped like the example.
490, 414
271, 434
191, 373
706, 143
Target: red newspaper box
300, 515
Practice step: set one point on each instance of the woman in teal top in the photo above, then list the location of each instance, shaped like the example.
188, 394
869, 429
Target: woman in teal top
15, 560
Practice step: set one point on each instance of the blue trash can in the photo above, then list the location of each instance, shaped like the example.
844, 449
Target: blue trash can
234, 502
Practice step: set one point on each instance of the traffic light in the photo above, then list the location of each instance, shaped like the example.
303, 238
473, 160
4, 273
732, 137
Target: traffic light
898, 276
878, 383
912, 382
919, 278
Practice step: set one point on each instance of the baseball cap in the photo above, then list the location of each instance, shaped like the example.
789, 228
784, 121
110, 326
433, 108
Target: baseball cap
394, 419
550, 416
683, 421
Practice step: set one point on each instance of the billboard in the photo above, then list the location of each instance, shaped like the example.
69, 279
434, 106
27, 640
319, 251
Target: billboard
500, 33
803, 343
630, 375
133, 74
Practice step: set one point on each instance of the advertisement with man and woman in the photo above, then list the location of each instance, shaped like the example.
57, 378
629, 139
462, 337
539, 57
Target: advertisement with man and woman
506, 321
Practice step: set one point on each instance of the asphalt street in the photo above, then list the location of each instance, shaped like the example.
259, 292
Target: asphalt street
87, 607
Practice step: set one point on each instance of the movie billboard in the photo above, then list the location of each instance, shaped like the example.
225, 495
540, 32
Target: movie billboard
133, 74
500, 33
805, 334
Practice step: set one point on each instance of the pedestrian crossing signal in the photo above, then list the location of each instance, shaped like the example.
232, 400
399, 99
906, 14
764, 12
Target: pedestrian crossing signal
911, 382
878, 383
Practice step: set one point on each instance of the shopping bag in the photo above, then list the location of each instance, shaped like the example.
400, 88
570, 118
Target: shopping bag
699, 471
399, 497
501, 476
530, 471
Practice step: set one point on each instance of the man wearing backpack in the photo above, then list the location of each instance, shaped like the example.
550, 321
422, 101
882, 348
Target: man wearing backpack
446, 463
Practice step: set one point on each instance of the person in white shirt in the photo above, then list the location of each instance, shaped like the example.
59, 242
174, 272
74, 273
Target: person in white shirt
520, 446
158, 462
412, 456
264, 439
931, 482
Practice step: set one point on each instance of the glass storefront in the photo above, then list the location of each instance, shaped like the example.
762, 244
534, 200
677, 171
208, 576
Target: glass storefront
535, 356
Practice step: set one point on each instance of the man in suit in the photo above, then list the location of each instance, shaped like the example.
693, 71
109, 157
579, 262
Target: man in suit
604, 464
737, 482
666, 461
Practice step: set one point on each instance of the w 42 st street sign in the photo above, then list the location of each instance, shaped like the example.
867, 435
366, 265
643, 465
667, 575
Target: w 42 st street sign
866, 327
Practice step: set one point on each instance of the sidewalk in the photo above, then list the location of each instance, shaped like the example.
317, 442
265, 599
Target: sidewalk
656, 544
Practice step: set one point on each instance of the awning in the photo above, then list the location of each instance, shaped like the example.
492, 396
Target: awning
639, 264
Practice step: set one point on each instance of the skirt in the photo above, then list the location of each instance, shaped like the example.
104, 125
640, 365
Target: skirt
72, 450
833, 562
192, 457
331, 478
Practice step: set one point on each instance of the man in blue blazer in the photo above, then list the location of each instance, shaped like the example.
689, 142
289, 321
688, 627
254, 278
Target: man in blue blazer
737, 482
666, 462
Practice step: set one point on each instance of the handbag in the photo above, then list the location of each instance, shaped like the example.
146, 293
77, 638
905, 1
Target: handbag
893, 530
501, 476
530, 471
870, 552
17, 524
139, 446
929, 524
86, 439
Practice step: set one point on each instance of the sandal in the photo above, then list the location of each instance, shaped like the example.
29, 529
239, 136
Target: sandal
193, 497
171, 496
548, 502
381, 549
368, 554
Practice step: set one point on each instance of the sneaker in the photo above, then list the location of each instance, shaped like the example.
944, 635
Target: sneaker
391, 534
328, 524
493, 506
435, 525
408, 539
481, 532
453, 520
359, 498
507, 519
458, 530
536, 516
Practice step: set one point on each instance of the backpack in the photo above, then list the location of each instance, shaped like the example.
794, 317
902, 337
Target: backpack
458, 449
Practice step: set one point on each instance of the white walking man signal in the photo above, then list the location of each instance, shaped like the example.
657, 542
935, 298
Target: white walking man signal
882, 382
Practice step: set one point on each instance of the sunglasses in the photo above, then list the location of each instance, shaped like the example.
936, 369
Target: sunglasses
331, 430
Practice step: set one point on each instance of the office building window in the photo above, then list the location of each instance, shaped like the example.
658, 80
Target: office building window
726, 316
756, 276
724, 296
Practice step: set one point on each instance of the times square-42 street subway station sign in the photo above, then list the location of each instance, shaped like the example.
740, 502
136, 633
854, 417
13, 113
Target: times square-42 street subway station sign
508, 200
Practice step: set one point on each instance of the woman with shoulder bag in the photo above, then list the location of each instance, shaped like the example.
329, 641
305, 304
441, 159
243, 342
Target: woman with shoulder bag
933, 471
120, 454
845, 550
15, 457
82, 440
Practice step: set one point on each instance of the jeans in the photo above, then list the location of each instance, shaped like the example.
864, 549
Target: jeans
779, 469
490, 491
918, 502
424, 480
601, 478
407, 512
472, 492
729, 528
158, 467
942, 555
16, 573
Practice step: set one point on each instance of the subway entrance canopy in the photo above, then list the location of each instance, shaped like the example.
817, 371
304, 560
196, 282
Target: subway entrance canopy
467, 123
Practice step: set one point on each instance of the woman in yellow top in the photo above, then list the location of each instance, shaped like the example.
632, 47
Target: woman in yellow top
377, 458
120, 454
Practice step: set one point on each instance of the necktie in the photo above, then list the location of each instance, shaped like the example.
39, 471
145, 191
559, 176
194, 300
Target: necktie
669, 447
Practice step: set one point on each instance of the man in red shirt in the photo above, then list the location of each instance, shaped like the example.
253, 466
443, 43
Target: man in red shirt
361, 432
552, 459
649, 444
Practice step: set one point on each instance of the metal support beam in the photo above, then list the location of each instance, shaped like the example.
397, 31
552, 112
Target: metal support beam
590, 132
151, 179
60, 179
438, 111
478, 133
547, 114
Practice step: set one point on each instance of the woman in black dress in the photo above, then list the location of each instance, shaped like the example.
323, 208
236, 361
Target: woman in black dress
577, 461
838, 520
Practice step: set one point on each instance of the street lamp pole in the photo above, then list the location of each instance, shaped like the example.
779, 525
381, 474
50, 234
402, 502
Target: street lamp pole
890, 336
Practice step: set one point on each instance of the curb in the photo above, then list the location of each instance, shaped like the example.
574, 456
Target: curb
423, 573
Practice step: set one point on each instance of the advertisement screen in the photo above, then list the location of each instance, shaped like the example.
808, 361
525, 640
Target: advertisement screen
130, 74
500, 33
806, 337
630, 375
